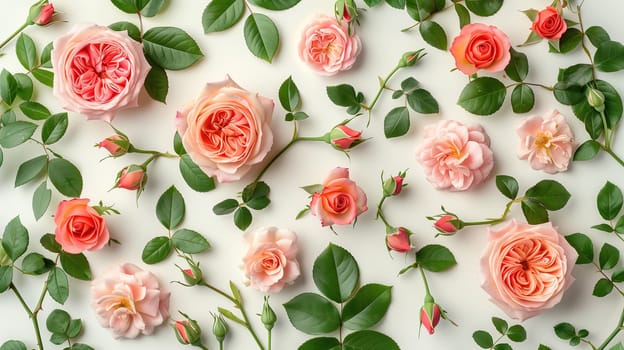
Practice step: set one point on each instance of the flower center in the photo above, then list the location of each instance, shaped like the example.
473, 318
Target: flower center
542, 140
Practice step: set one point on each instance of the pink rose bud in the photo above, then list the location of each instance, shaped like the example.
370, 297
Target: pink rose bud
343, 137
115, 145
192, 275
45, 16
410, 58
445, 224
131, 178
394, 185
345, 14
430, 316
399, 240
187, 331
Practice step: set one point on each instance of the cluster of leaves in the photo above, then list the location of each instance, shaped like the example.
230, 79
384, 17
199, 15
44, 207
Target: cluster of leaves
261, 33
337, 276
254, 196
434, 258
515, 333
64, 328
566, 331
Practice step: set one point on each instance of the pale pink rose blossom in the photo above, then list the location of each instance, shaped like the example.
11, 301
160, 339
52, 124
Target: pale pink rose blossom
98, 71
226, 130
547, 142
327, 47
526, 268
129, 301
480, 46
270, 262
455, 156
340, 201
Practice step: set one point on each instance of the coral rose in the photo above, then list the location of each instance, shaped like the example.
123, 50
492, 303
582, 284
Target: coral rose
526, 268
129, 301
547, 142
340, 201
549, 24
455, 156
79, 227
327, 47
98, 71
271, 259
480, 46
226, 129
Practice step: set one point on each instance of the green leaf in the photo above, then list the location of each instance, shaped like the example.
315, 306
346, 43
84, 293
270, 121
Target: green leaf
568, 93
543, 347
275, 5
171, 48
76, 265
258, 203
373, 3
342, 95
484, 8
156, 250
433, 34
593, 126
157, 84
397, 4
396, 122
609, 201
46, 55
13, 345
312, 314
289, 95
618, 276
583, 246
58, 286
517, 333
619, 226
321, 343
194, 176
518, 66
49, 242
483, 96
408, 85
261, 36
225, 207
587, 150
507, 185
500, 325
8, 117
58, 321
75, 326
6, 277
220, 15
1, 157
152, 8
522, 99
41, 200
8, 87
189, 242
502, 346
602, 288
609, 56
462, 14
36, 264
178, 146
16, 133
569, 41
58, 339
26, 51
534, 212
617, 346
483, 339
550, 193
369, 340
130, 6
34, 110
336, 273
79, 346
580, 74
435, 258
367, 307
30, 170
24, 86
242, 218
133, 31
170, 208
419, 10
609, 256
421, 101
54, 128
65, 177
44, 76
603, 227
15, 239
597, 35
255, 190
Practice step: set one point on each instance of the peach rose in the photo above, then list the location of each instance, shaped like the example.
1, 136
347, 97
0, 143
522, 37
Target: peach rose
340, 201
547, 142
455, 156
79, 227
327, 47
98, 71
271, 259
526, 268
480, 46
226, 129
549, 24
129, 301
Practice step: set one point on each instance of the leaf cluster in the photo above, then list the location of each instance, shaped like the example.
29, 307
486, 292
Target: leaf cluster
64, 329
566, 331
254, 196
515, 333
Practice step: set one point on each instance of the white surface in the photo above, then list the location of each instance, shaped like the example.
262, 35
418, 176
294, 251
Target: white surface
151, 127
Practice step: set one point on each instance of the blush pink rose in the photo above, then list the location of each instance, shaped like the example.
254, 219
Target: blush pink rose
480, 46
549, 24
547, 142
327, 47
454, 156
129, 301
79, 227
98, 71
526, 268
270, 262
226, 129
340, 201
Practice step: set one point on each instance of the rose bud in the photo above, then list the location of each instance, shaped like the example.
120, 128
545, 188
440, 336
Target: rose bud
268, 316
116, 145
430, 316
345, 13
219, 328
187, 331
410, 58
448, 224
343, 137
596, 99
399, 240
131, 178
192, 275
45, 16
394, 185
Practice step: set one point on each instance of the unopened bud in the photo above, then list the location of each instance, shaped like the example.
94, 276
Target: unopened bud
344, 138
398, 240
45, 15
430, 316
219, 328
187, 331
268, 316
596, 99
392, 186
410, 58
116, 145
131, 178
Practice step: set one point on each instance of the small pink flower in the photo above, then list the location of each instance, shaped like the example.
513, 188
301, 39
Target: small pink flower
480, 46
340, 201
129, 301
115, 145
79, 227
343, 137
131, 178
547, 142
45, 16
549, 24
270, 262
327, 47
393, 186
430, 316
444, 224
455, 156
399, 240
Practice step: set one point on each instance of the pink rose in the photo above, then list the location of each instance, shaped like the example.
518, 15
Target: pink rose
129, 301
444, 225
226, 129
343, 137
340, 201
399, 240
455, 156
430, 315
479, 46
98, 71
271, 259
526, 268
115, 145
79, 227
131, 178
547, 142
549, 24
327, 47
45, 16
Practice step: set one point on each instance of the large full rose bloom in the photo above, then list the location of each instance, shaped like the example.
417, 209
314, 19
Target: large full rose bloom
340, 201
270, 262
129, 301
526, 268
226, 130
549, 24
547, 142
480, 46
327, 47
79, 227
455, 156
98, 71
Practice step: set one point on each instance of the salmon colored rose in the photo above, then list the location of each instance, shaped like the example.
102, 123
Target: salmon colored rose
129, 301
226, 130
526, 268
79, 227
479, 46
327, 47
98, 71
340, 201
549, 24
270, 262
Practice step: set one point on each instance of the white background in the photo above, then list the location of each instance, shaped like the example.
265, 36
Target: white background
151, 126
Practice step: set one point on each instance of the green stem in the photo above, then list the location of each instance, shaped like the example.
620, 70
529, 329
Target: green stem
32, 314
583, 44
381, 89
219, 291
608, 136
140, 26
424, 278
607, 278
549, 88
19, 30
133, 149
269, 339
499, 219
612, 154
201, 346
381, 215
617, 330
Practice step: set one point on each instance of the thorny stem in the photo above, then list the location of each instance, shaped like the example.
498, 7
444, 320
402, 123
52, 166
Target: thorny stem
549, 88
32, 313
583, 44
380, 213
19, 30
618, 328
381, 89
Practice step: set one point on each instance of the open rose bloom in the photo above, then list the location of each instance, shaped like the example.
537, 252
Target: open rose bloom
549, 24
340, 201
226, 130
526, 268
129, 301
480, 46
79, 227
98, 71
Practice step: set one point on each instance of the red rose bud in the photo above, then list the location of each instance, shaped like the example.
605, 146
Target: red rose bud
430, 316
192, 275
448, 224
410, 58
115, 145
131, 178
394, 185
45, 16
345, 14
399, 240
343, 137
187, 331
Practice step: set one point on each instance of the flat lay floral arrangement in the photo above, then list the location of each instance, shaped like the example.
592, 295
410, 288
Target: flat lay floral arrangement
349, 174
